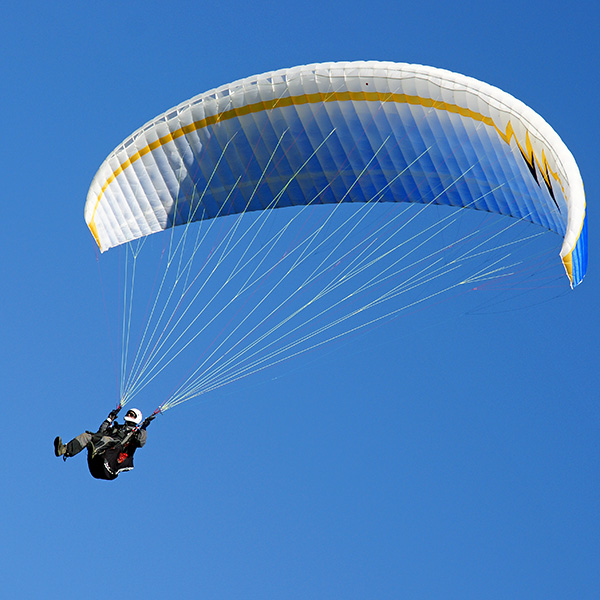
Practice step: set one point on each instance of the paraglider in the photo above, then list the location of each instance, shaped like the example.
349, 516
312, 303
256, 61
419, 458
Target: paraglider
110, 450
334, 140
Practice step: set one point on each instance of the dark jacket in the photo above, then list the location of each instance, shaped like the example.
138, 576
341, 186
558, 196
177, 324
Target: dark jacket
114, 447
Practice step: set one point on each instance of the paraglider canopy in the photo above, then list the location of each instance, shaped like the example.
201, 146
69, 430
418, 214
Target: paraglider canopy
342, 132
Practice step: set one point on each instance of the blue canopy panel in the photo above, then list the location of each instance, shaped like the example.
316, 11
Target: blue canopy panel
334, 152
577, 261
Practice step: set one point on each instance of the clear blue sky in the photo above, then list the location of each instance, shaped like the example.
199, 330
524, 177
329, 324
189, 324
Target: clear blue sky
455, 461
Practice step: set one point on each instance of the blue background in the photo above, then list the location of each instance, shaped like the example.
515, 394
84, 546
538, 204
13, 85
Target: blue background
398, 467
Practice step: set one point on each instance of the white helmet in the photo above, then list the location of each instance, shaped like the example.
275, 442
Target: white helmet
133, 416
